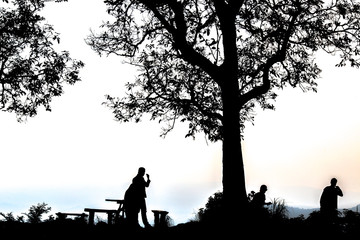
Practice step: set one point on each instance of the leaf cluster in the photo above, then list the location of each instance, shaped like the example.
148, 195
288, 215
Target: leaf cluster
31, 71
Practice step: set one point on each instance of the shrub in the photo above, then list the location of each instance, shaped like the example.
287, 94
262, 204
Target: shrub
213, 208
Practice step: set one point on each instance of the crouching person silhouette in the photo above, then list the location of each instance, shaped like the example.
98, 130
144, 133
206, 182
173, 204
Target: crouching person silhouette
259, 212
135, 199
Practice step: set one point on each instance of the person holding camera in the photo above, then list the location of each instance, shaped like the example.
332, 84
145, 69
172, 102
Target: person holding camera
135, 199
329, 200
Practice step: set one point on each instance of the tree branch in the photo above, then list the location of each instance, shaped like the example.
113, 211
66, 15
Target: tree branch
279, 56
188, 53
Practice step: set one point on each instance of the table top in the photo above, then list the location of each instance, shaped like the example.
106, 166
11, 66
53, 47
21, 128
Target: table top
115, 200
159, 211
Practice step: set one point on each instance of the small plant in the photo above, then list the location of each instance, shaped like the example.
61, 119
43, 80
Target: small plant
250, 196
169, 221
278, 209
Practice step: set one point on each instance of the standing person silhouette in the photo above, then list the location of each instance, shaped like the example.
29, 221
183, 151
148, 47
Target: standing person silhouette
329, 201
135, 199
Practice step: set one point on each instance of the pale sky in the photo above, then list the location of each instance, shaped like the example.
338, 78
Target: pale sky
77, 155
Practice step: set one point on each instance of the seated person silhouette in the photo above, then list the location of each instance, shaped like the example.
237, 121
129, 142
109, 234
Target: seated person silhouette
328, 200
258, 203
259, 198
135, 199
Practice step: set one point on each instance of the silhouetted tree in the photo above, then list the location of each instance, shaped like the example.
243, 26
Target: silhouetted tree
31, 71
35, 212
210, 62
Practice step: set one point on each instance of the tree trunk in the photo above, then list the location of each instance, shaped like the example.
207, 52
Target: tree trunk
234, 190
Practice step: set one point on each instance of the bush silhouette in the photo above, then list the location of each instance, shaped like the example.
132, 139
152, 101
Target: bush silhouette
213, 208
10, 218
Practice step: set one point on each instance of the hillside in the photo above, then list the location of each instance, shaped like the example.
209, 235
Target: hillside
295, 212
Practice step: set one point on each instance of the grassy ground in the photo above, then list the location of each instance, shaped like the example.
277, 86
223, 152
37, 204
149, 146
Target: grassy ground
289, 229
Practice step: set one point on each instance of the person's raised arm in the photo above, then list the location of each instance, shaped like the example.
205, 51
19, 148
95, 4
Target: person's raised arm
339, 192
148, 180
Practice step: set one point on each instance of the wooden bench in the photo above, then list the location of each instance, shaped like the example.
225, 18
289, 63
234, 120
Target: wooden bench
160, 218
92, 211
63, 216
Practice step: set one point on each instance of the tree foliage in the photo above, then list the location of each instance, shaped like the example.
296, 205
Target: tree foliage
32, 72
9, 217
36, 212
187, 51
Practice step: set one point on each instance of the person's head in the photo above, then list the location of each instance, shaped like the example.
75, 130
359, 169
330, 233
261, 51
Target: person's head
263, 188
141, 171
333, 182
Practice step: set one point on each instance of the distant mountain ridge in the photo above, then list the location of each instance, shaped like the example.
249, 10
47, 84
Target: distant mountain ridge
295, 211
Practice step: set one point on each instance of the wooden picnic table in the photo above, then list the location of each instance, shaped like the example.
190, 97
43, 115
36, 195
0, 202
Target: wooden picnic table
92, 212
159, 215
111, 213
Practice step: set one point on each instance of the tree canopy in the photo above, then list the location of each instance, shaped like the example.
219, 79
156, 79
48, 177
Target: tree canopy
181, 48
32, 72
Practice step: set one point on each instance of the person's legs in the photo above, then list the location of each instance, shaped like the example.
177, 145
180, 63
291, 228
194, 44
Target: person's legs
132, 212
143, 214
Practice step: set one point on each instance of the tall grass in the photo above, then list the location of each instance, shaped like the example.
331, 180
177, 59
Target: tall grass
278, 209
